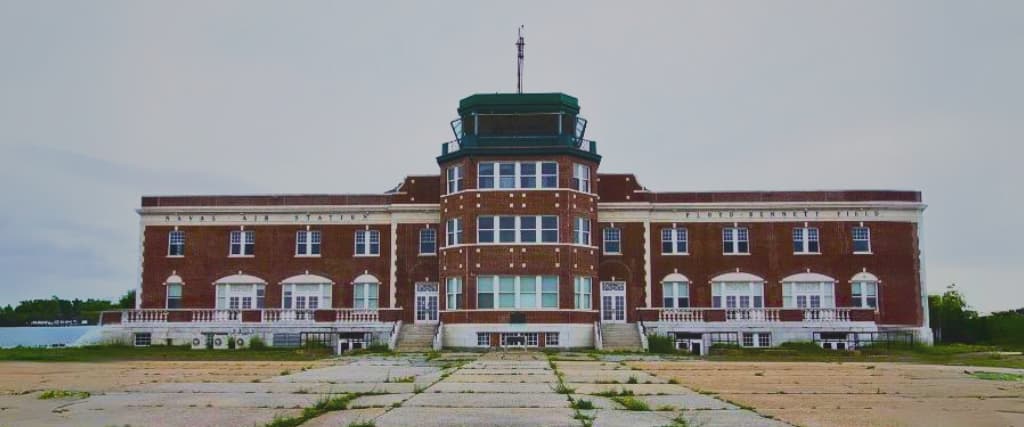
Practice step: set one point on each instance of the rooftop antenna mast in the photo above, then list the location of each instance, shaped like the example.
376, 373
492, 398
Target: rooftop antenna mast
520, 44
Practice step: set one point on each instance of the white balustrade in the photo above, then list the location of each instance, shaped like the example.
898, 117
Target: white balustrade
752, 315
216, 315
144, 316
827, 315
288, 315
356, 316
681, 315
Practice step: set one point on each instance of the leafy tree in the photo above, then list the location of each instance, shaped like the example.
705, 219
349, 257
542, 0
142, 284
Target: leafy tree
952, 317
127, 300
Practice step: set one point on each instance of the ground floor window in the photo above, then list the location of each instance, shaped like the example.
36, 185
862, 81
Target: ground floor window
483, 339
583, 293
864, 294
304, 296
240, 296
737, 294
517, 292
143, 339
729, 338
366, 296
528, 339
454, 293
551, 339
675, 294
808, 295
174, 295
757, 339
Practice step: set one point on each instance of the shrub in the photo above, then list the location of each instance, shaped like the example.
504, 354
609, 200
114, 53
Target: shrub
631, 403
660, 344
256, 343
583, 404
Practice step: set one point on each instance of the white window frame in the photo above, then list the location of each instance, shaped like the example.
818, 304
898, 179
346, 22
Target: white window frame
581, 177
722, 290
291, 292
246, 241
431, 233
227, 293
181, 295
793, 291
517, 229
538, 292
367, 237
454, 176
453, 294
678, 290
538, 176
612, 235
483, 339
757, 339
551, 339
583, 292
804, 239
866, 238
581, 231
176, 238
306, 241
735, 235
364, 302
453, 232
675, 236
860, 299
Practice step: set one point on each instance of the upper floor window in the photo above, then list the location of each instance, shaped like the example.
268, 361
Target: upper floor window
428, 241
517, 229
454, 179
243, 243
864, 293
737, 294
517, 292
861, 240
307, 243
808, 294
517, 175
581, 231
174, 295
735, 241
675, 294
612, 240
583, 291
453, 232
674, 241
581, 177
805, 240
176, 243
367, 243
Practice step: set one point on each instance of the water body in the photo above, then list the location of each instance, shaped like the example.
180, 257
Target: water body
35, 336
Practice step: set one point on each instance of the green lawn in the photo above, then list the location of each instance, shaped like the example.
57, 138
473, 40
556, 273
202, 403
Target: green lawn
121, 352
951, 354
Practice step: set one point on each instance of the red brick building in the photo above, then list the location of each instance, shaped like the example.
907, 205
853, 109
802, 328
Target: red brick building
519, 240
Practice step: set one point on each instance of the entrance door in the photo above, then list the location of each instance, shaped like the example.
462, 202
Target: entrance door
426, 302
613, 302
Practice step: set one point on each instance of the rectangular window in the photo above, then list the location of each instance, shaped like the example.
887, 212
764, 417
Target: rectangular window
174, 295
485, 291
581, 177
581, 233
528, 229
506, 175
366, 296
865, 294
454, 293
485, 175
506, 291
454, 179
453, 232
675, 294
307, 243
485, 229
805, 240
143, 339
735, 241
526, 339
808, 295
428, 241
861, 240
507, 229
583, 296
737, 294
674, 241
240, 296
483, 339
367, 243
517, 175
243, 243
549, 229
516, 229
549, 175
757, 339
527, 175
509, 292
612, 240
551, 339
176, 243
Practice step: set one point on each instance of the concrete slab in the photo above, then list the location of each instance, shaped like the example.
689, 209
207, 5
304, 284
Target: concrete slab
354, 373
345, 418
118, 401
461, 377
453, 387
598, 401
476, 417
638, 389
487, 400
378, 400
300, 388
685, 402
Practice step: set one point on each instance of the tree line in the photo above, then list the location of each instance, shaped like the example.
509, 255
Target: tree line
952, 321
57, 309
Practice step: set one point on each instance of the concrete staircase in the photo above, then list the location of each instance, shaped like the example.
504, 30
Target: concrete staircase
416, 337
620, 337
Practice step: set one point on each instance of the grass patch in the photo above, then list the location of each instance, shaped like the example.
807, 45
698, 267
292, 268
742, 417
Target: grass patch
944, 354
362, 424
561, 388
632, 403
63, 394
103, 353
613, 393
322, 406
582, 404
632, 380
407, 379
997, 376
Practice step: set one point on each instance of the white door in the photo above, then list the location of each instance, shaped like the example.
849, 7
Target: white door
426, 303
613, 302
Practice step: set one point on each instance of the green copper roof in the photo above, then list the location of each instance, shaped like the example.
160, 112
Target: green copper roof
519, 103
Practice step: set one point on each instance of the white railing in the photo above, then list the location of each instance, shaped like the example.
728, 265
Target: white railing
450, 147
288, 315
215, 315
356, 315
598, 340
393, 339
751, 315
827, 315
144, 316
643, 335
439, 337
682, 315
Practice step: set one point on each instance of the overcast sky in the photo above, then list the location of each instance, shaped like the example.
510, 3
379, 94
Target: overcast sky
103, 101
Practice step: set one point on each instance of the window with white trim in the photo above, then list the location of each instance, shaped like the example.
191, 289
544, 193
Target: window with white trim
551, 339
507, 292
454, 175
864, 294
861, 240
513, 175
307, 243
483, 339
583, 290
367, 243
757, 339
581, 177
240, 296
805, 240
612, 240
453, 232
674, 241
675, 294
305, 296
174, 295
454, 293
366, 296
243, 243
528, 339
517, 229
581, 231
735, 241
428, 241
737, 294
808, 295
176, 243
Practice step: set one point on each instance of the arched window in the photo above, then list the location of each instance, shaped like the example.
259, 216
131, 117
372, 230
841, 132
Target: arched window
808, 290
240, 292
306, 292
174, 286
864, 290
737, 290
366, 292
675, 291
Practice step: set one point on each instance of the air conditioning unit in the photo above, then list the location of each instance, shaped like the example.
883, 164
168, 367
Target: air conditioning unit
348, 344
241, 341
199, 342
220, 341
836, 345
